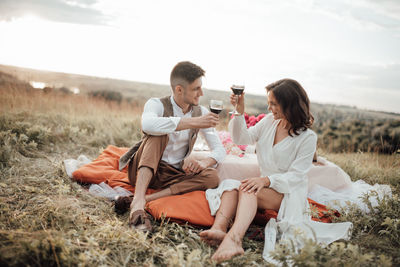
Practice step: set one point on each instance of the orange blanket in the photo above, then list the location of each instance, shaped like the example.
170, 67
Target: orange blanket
190, 207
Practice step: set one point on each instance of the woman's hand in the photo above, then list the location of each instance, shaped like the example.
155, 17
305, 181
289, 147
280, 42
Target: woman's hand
240, 102
254, 185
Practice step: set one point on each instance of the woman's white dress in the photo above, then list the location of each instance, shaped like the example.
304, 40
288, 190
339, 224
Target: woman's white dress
286, 164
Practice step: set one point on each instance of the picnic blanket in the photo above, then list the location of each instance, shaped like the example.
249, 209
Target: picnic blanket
190, 207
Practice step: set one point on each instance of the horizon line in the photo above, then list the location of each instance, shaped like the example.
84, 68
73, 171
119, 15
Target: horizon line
212, 89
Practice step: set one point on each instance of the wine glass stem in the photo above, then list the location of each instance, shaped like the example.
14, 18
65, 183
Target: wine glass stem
237, 100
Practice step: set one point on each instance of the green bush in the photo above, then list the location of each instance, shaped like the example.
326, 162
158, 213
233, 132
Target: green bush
107, 95
354, 135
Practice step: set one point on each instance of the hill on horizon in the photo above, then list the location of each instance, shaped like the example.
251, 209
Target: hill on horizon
141, 91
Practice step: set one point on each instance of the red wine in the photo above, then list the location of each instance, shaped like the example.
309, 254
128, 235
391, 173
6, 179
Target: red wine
237, 91
216, 110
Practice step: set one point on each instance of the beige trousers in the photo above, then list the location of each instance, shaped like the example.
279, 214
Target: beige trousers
165, 175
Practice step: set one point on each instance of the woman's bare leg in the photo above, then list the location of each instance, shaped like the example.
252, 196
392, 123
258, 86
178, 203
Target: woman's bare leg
223, 218
232, 243
269, 199
246, 210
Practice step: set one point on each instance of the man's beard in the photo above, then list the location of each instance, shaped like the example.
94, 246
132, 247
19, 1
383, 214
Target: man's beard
190, 103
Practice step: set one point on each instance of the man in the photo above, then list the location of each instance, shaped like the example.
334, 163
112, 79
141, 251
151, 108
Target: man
163, 160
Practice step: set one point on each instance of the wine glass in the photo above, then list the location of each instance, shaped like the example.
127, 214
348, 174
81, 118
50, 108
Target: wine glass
237, 90
216, 106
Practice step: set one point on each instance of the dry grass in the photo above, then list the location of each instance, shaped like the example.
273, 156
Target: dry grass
14, 100
48, 220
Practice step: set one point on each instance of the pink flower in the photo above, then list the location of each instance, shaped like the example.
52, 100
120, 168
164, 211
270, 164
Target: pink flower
252, 121
260, 117
228, 144
242, 147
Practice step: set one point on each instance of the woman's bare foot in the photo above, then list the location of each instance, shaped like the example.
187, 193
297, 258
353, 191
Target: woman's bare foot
230, 247
213, 237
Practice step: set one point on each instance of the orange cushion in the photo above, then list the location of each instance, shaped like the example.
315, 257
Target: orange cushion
102, 168
105, 169
193, 208
190, 207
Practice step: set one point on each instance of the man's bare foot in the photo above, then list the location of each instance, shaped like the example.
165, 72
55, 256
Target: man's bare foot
138, 218
230, 247
213, 237
137, 204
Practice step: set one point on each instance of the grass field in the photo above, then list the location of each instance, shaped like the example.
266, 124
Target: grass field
48, 220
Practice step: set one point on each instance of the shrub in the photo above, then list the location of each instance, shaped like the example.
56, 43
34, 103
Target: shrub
107, 95
353, 135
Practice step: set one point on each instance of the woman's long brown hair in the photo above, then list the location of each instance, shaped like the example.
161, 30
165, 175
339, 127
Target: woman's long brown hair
294, 103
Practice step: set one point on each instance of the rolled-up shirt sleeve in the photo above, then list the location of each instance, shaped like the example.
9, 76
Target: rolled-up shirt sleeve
287, 182
153, 122
214, 143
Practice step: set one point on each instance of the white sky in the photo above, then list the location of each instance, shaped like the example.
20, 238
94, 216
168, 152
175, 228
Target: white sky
343, 52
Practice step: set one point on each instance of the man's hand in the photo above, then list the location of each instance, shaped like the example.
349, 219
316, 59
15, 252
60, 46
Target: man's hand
254, 185
192, 165
206, 121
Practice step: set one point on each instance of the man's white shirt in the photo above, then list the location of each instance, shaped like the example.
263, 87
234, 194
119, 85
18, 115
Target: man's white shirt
153, 123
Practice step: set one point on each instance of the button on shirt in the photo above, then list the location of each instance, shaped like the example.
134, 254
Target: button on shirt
153, 123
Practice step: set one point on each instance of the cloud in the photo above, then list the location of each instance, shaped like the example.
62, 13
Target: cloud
375, 87
384, 77
367, 14
390, 8
359, 14
69, 11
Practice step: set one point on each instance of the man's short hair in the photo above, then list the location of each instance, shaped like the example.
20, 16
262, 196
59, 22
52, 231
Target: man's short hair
184, 73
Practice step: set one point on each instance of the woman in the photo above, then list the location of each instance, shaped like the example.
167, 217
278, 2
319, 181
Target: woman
285, 147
